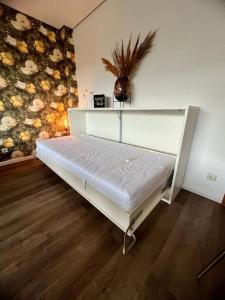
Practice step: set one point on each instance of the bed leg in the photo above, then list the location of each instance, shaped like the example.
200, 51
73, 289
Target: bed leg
128, 245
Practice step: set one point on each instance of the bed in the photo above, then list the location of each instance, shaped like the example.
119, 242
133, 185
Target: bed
123, 181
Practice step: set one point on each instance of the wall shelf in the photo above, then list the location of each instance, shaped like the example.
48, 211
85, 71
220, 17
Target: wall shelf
179, 108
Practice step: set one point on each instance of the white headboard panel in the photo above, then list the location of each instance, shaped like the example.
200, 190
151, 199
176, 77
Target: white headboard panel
105, 125
157, 130
94, 122
77, 122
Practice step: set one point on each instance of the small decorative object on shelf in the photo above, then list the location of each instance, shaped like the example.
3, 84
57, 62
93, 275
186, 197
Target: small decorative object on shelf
125, 63
99, 101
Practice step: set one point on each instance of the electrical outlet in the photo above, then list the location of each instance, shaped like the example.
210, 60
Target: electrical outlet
4, 150
211, 177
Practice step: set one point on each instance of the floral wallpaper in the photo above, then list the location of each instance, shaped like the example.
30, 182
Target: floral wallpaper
37, 82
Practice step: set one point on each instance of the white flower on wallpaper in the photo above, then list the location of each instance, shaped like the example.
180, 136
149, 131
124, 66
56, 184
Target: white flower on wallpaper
68, 54
39, 46
53, 104
61, 90
10, 40
20, 45
28, 121
70, 40
49, 34
28, 87
30, 67
43, 135
3, 83
56, 56
7, 123
21, 23
74, 77
20, 85
37, 105
43, 30
49, 71
73, 90
53, 73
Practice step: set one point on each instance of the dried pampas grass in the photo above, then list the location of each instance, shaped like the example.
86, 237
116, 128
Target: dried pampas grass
125, 62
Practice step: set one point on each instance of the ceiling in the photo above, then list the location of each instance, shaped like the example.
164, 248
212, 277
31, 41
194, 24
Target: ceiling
56, 12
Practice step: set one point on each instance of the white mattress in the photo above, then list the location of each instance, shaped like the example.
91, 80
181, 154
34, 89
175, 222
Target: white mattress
125, 174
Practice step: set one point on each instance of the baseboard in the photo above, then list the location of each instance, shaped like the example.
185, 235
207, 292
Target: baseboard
210, 197
15, 160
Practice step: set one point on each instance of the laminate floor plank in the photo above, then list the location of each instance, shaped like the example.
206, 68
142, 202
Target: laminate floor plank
55, 246
38, 232
212, 285
123, 276
154, 289
180, 260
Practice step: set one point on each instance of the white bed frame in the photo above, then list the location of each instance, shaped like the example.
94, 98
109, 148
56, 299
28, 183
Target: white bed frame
169, 131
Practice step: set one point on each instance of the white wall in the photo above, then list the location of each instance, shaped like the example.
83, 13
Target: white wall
186, 67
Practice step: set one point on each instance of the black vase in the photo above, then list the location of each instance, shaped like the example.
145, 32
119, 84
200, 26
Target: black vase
122, 89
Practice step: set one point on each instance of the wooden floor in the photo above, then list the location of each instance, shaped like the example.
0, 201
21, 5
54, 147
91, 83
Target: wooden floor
54, 245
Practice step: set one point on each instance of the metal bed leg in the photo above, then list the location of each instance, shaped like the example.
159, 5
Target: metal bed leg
127, 246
